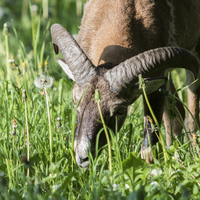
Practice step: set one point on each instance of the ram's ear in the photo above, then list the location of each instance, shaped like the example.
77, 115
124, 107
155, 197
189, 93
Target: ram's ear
151, 85
66, 69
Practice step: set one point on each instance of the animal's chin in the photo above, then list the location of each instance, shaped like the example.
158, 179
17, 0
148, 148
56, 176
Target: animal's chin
81, 154
82, 151
82, 162
84, 165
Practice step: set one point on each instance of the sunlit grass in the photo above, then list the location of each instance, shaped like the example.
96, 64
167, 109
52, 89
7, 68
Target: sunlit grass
26, 143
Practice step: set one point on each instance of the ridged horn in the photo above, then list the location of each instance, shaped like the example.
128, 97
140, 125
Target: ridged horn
149, 62
77, 61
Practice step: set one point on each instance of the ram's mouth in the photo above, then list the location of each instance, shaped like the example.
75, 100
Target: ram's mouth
82, 162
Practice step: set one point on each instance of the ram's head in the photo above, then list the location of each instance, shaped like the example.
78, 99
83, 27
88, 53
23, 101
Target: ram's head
117, 84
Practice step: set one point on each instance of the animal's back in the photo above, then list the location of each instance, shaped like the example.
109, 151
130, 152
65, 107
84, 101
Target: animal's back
115, 30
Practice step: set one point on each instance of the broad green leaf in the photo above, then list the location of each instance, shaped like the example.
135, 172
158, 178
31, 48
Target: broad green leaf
132, 161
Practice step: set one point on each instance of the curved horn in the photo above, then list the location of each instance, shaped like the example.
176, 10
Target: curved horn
148, 63
76, 60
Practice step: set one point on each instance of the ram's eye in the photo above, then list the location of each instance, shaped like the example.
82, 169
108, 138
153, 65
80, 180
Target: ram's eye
121, 111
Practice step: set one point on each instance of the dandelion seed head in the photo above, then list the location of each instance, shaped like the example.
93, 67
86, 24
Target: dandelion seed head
5, 25
11, 60
34, 8
58, 122
5, 28
24, 96
43, 82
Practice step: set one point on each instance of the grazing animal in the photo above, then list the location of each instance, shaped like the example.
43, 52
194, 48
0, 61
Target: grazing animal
118, 41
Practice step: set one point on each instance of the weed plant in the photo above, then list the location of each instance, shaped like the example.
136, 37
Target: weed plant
36, 131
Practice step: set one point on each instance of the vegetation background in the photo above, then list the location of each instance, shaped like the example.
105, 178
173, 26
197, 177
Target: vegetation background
37, 124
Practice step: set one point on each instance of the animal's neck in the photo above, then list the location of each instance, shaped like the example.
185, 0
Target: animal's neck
120, 30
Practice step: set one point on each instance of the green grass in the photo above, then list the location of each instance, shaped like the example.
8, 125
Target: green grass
50, 171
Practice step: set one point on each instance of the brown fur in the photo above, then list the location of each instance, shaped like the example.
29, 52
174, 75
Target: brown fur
115, 30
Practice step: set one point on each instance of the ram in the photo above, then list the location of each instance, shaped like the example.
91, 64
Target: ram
118, 41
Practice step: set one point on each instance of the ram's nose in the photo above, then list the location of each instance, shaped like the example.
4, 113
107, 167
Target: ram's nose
82, 153
82, 161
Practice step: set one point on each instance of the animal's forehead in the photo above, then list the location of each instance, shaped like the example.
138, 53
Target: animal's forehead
87, 92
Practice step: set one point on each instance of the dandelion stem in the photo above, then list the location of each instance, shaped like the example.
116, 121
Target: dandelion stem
13, 147
27, 133
45, 82
24, 99
50, 135
5, 31
97, 99
7, 51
